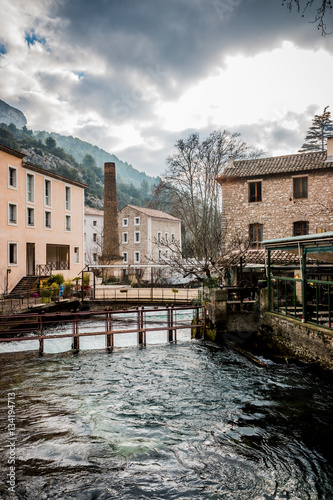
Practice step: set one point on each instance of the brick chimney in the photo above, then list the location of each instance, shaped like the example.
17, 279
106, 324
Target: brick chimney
110, 236
330, 149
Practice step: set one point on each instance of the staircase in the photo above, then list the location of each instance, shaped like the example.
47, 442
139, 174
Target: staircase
26, 284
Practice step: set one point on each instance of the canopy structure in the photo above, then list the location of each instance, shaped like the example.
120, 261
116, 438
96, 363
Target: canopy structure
317, 247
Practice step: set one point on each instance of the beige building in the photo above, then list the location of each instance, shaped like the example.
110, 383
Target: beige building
143, 233
42, 222
277, 197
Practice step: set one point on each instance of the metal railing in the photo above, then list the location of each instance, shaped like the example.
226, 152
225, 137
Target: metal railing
308, 301
140, 320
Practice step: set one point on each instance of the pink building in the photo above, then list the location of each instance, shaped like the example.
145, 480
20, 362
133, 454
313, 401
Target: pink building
42, 223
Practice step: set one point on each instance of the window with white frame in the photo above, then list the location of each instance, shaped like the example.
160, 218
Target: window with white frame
166, 254
12, 253
68, 223
30, 217
95, 258
12, 177
30, 188
136, 221
94, 222
137, 237
12, 213
47, 219
159, 237
136, 257
160, 254
166, 237
125, 222
47, 192
125, 237
173, 238
94, 237
125, 257
68, 201
76, 255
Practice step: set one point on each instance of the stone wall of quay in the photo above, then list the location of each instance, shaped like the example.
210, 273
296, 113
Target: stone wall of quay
268, 334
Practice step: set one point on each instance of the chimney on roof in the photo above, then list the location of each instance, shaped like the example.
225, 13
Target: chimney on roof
110, 236
329, 149
230, 162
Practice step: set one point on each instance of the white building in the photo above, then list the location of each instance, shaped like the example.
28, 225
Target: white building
93, 235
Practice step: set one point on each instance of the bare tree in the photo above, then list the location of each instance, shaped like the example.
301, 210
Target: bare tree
322, 8
188, 190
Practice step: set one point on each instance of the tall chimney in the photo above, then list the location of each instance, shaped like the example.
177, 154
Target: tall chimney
329, 149
111, 236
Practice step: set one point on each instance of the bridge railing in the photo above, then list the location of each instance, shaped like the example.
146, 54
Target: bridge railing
140, 320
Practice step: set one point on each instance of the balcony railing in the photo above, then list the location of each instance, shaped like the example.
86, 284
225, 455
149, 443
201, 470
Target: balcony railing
46, 269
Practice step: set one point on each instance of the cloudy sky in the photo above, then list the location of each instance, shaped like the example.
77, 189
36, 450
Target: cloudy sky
133, 76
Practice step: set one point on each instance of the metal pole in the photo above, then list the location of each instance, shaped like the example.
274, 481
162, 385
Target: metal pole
304, 285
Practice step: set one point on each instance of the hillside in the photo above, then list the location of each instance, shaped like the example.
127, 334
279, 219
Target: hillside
73, 158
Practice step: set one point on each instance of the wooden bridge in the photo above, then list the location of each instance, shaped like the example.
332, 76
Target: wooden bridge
28, 327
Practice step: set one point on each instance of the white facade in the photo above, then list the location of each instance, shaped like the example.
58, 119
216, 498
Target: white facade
93, 235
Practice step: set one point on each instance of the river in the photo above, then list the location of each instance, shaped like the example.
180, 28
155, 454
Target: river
190, 420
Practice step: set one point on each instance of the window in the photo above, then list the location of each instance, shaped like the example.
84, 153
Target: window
12, 254
12, 213
136, 221
256, 232
254, 191
76, 255
125, 222
12, 177
173, 238
136, 256
159, 237
48, 220
300, 187
137, 237
95, 257
125, 237
301, 227
47, 192
95, 237
320, 230
68, 224
30, 217
94, 222
30, 187
68, 197
166, 254
160, 254
125, 258
166, 237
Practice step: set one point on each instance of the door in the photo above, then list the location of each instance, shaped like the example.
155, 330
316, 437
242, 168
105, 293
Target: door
30, 259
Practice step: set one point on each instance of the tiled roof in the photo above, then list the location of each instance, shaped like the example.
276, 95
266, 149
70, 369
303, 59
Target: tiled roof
278, 257
157, 214
299, 162
11, 151
93, 211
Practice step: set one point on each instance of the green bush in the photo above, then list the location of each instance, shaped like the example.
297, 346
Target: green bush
56, 278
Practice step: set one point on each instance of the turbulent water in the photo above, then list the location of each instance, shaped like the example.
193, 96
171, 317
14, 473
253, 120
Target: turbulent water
187, 420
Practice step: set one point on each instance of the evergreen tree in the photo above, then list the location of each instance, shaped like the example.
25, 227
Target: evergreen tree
315, 139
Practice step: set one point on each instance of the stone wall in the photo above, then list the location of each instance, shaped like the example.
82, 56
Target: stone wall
278, 209
295, 341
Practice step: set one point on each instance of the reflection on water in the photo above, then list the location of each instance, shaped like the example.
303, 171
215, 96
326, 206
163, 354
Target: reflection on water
190, 420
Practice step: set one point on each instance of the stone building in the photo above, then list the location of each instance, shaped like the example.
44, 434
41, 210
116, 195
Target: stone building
277, 197
141, 232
